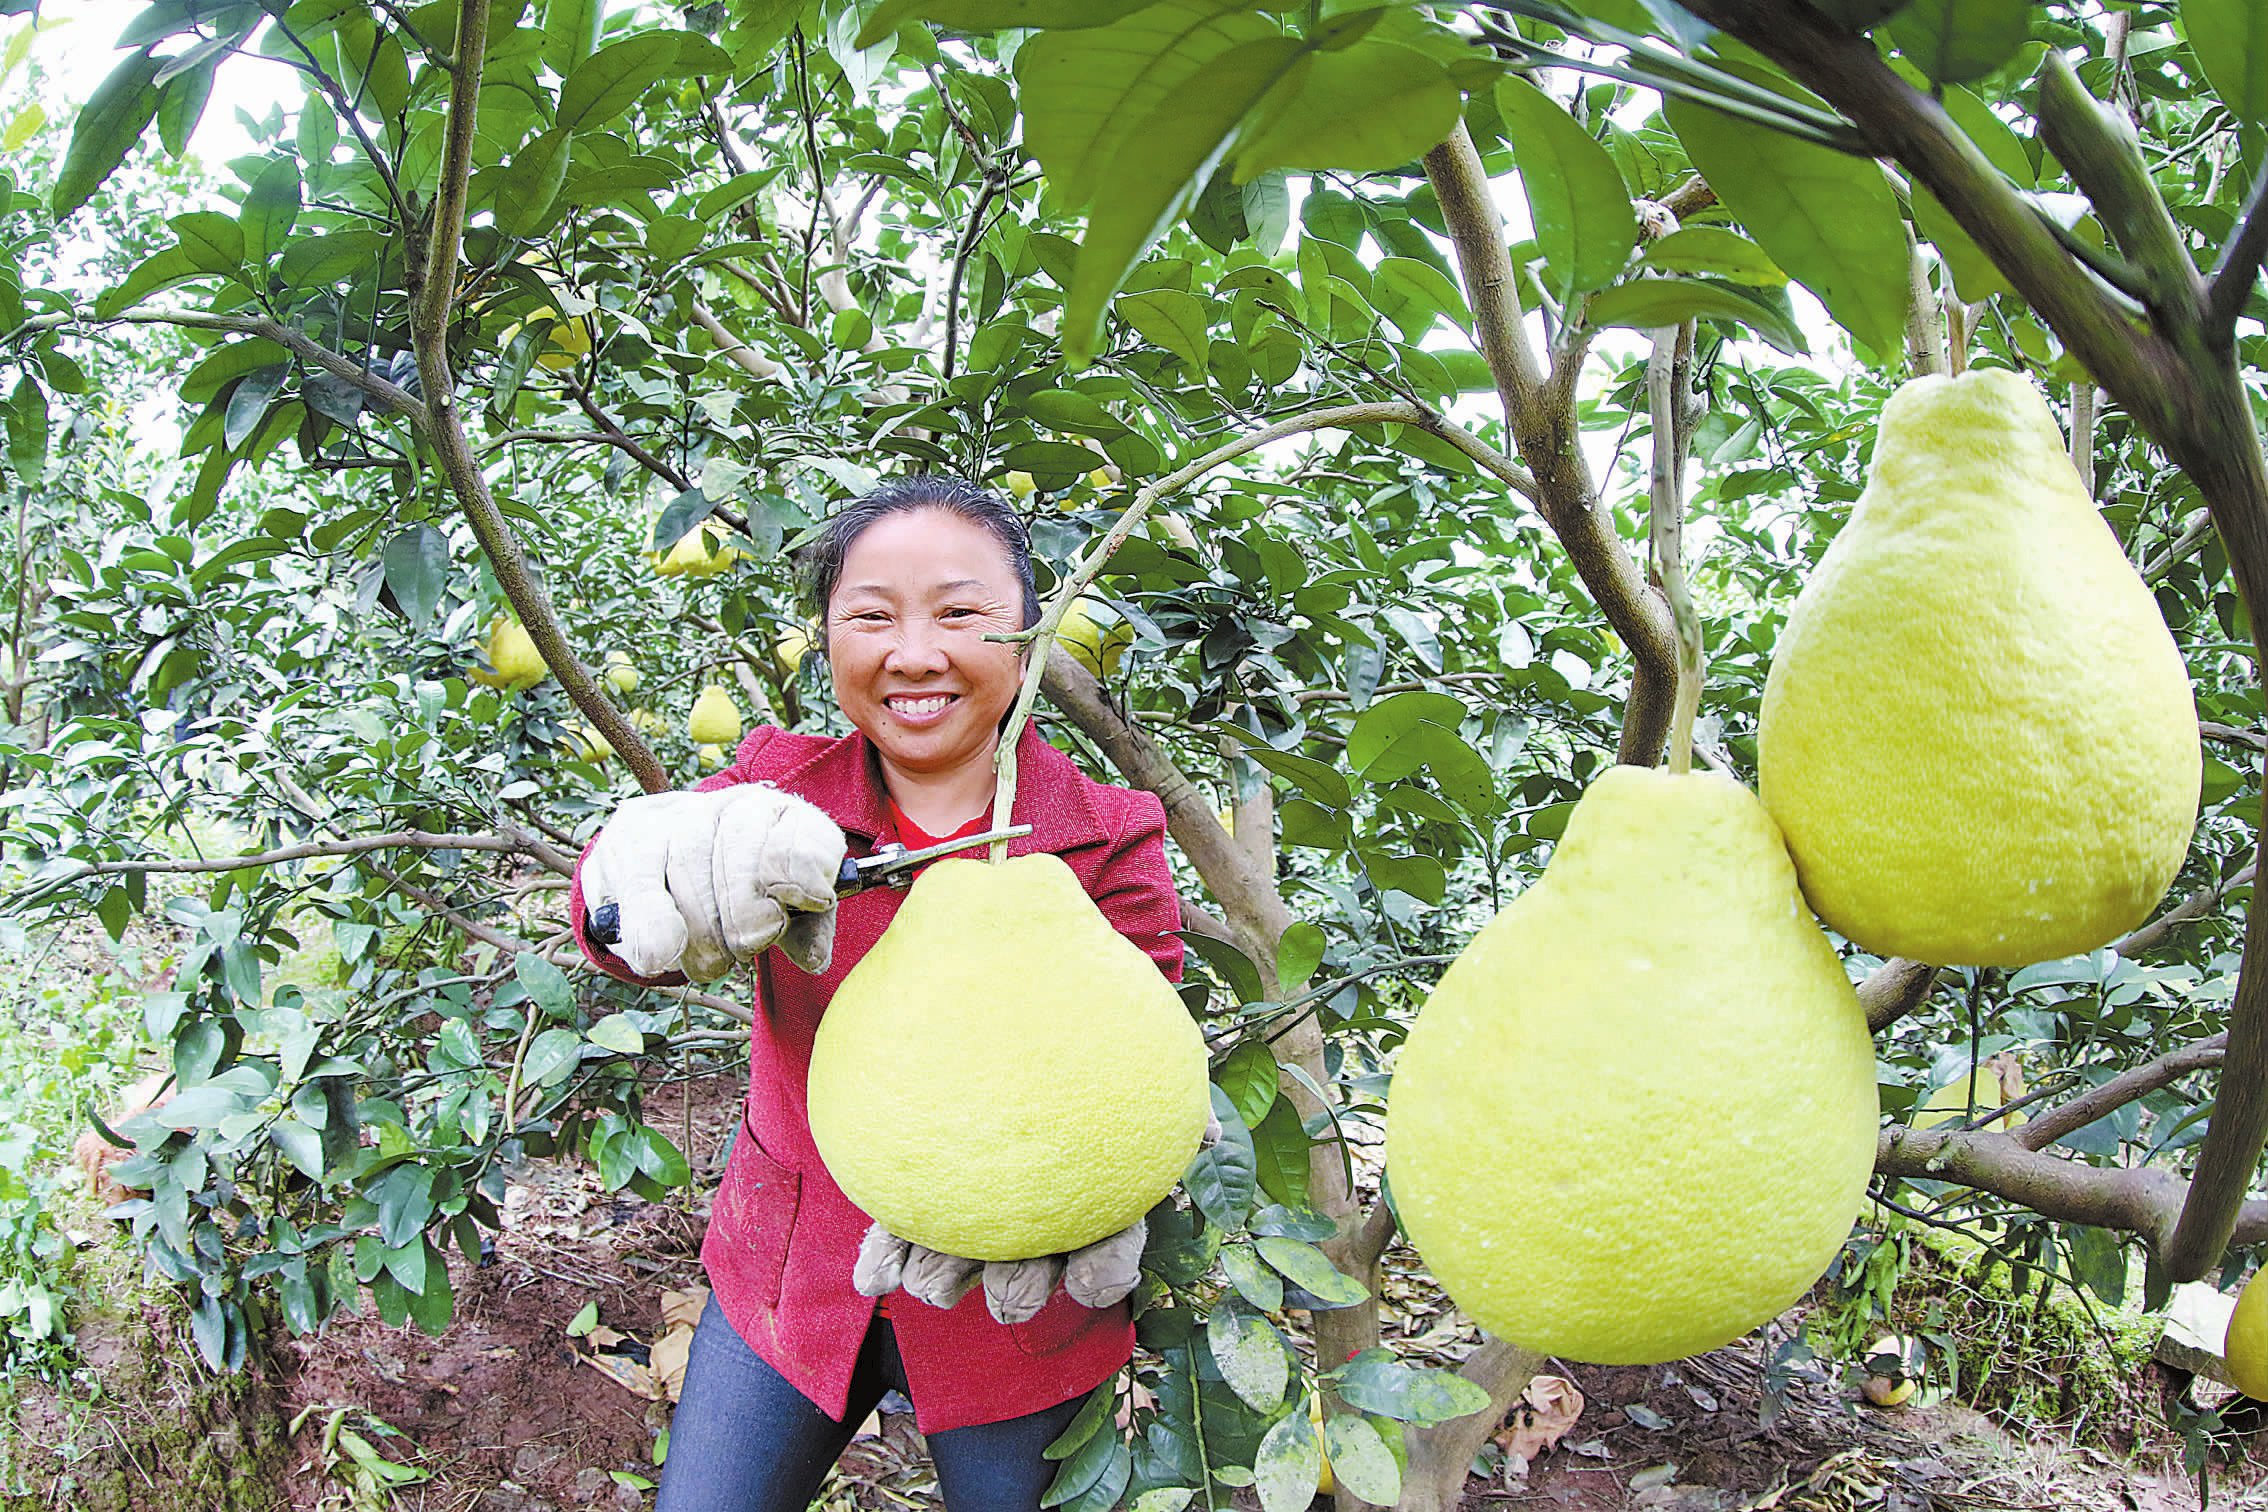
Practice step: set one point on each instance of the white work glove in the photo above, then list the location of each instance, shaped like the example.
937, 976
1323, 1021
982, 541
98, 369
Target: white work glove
1096, 1275
704, 880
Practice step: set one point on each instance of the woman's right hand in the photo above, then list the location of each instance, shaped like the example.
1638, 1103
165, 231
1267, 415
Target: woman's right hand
704, 880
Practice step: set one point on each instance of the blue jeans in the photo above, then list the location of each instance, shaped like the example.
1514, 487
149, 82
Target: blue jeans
744, 1440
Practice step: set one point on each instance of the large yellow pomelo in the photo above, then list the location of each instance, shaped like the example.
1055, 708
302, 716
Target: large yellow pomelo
2245, 1347
1977, 734
794, 644
1004, 1074
1636, 1117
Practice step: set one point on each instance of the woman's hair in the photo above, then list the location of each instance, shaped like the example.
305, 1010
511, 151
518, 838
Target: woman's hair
820, 564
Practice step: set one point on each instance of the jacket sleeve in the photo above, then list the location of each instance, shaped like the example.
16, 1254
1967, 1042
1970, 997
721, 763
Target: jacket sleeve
1134, 888
742, 769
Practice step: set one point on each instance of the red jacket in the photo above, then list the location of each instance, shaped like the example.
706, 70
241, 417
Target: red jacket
782, 1236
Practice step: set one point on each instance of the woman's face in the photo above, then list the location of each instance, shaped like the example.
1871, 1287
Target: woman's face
905, 638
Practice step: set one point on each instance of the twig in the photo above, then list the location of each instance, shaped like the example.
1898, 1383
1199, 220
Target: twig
2195, 906
2239, 267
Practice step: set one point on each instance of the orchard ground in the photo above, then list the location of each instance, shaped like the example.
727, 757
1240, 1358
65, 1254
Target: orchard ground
522, 1406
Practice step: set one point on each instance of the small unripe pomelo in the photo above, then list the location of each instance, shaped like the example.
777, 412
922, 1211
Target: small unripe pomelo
1636, 1117
621, 673
1092, 646
715, 719
512, 653
1978, 736
1004, 1074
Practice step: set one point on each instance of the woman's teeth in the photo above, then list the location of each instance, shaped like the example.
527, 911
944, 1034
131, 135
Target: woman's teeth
917, 707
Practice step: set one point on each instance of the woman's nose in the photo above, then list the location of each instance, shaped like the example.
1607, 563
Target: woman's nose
918, 646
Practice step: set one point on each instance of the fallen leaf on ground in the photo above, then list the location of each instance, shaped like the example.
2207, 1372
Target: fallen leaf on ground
1546, 1410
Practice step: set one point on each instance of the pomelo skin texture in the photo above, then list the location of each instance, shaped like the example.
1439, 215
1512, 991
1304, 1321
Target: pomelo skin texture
1977, 734
1637, 1116
2245, 1349
1004, 1075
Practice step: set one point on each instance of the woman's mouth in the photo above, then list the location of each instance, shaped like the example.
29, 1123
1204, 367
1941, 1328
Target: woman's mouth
920, 708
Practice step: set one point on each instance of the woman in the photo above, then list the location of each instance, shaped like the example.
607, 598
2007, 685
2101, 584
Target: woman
791, 1356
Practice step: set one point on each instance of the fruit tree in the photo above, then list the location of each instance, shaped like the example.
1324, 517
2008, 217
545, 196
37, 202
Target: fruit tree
1436, 404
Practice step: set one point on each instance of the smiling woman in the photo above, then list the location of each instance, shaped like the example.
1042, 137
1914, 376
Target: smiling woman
908, 582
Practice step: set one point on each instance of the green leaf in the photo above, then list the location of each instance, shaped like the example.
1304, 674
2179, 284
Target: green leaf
1360, 1459
2230, 38
615, 1032
994, 15
551, 1056
1389, 719
1253, 1281
109, 125
1171, 319
417, 569
1830, 220
1648, 303
1159, 173
1975, 275
1298, 953
1954, 41
248, 403
610, 80
27, 430
301, 1145
1372, 106
1374, 1381
270, 209
1712, 249
1250, 1079
1232, 964
431, 1306
584, 1321
1093, 1413
1249, 1355
1280, 1154
214, 242
530, 185
570, 32
1220, 1180
1310, 1269
1584, 223
1413, 295
544, 983
1289, 1465
1086, 94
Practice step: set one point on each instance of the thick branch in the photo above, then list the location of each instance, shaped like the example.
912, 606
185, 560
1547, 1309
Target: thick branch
1541, 417
622, 438
1894, 989
1442, 1456
2145, 1201
2098, 148
2102, 1101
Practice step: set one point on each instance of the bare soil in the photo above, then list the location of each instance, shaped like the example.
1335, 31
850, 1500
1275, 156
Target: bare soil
507, 1413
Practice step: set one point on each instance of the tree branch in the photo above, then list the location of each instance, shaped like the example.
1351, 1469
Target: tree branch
749, 360
2102, 1101
1442, 1456
1894, 989
1541, 418
390, 397
2239, 268
622, 438
2196, 906
510, 840
445, 236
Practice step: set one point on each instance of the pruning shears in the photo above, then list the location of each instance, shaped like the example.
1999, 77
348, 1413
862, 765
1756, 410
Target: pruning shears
891, 865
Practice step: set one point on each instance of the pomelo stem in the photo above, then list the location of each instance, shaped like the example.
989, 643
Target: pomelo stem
1673, 345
